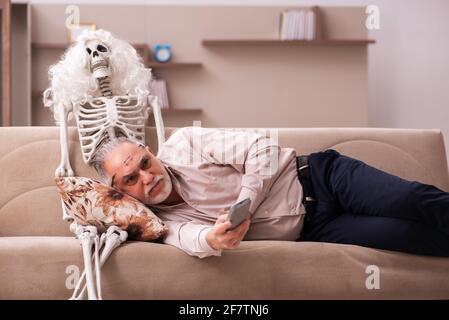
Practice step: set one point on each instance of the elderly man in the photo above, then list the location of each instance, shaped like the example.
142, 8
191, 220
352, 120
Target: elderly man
328, 197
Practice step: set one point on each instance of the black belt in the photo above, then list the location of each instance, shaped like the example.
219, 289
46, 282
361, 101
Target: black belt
308, 199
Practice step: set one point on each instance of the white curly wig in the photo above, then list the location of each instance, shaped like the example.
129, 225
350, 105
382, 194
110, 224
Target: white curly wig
72, 83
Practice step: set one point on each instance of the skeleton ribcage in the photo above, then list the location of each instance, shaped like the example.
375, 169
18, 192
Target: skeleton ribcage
101, 119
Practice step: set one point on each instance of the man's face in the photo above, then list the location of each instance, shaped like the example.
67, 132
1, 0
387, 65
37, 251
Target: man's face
136, 171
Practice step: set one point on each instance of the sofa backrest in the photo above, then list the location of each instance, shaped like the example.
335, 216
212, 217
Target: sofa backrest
30, 204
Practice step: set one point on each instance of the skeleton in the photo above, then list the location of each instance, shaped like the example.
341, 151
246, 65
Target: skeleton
100, 117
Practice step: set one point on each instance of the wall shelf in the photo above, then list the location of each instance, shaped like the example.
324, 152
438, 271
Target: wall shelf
169, 111
63, 46
143, 50
263, 42
140, 47
174, 64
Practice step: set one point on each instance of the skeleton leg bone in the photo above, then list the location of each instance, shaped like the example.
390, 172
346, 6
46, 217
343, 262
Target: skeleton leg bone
80, 295
112, 239
97, 269
87, 235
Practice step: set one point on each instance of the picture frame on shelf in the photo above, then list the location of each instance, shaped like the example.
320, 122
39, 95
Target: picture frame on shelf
75, 30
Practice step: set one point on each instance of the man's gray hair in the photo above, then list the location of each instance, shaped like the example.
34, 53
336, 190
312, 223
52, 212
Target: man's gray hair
98, 160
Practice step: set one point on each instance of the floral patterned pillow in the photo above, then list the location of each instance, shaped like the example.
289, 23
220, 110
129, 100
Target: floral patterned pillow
90, 202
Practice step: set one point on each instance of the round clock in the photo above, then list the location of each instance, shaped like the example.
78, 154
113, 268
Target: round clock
162, 52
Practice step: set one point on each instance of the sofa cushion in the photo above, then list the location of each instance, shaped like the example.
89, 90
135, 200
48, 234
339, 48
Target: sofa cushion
90, 202
46, 267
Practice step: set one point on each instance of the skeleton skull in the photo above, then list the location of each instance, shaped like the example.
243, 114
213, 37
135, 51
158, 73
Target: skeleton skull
98, 58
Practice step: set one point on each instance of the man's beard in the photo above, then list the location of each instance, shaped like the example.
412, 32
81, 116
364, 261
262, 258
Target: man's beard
163, 193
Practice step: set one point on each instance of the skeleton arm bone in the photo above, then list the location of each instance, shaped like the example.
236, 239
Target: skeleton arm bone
64, 169
160, 130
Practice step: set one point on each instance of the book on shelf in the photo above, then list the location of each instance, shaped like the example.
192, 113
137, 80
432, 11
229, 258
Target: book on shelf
301, 24
298, 24
310, 33
159, 88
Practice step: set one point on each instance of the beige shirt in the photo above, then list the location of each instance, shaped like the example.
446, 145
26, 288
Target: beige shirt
212, 169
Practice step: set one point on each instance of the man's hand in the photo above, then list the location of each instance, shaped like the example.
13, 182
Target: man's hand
219, 238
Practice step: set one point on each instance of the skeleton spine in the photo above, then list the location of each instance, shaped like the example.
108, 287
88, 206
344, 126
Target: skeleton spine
105, 87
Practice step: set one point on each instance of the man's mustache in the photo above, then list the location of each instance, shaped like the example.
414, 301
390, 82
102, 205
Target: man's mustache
153, 183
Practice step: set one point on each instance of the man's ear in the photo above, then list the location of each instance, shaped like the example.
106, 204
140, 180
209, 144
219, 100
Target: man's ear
150, 150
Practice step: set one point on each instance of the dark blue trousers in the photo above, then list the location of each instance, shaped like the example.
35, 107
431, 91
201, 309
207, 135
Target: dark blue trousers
361, 205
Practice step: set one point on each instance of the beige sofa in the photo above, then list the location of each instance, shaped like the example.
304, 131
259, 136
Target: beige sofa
36, 246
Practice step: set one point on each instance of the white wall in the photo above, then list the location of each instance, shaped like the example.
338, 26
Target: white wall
408, 66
